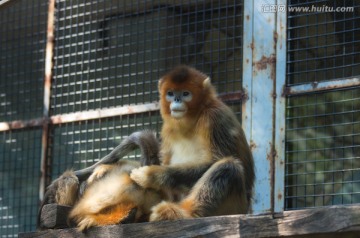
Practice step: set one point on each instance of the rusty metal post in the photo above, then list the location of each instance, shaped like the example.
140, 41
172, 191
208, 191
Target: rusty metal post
47, 89
280, 107
260, 82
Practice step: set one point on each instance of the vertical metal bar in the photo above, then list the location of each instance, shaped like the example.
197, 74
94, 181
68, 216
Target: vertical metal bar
258, 81
47, 88
247, 82
280, 107
247, 67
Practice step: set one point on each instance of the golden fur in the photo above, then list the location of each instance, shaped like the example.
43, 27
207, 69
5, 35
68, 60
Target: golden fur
207, 165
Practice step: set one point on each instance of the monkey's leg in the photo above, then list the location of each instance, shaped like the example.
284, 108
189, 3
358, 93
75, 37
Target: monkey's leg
219, 191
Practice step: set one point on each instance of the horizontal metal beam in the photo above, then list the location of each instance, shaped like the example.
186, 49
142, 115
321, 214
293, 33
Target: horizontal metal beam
5, 2
81, 116
233, 97
321, 86
103, 113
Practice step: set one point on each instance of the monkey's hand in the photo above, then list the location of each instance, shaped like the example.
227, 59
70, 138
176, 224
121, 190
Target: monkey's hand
148, 176
160, 177
99, 172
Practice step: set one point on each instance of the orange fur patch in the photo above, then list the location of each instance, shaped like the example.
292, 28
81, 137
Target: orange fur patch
113, 215
188, 205
126, 179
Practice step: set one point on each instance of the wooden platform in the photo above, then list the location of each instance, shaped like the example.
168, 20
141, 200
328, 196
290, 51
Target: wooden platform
334, 221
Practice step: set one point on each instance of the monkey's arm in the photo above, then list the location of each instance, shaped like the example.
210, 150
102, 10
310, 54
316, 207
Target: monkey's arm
228, 139
174, 176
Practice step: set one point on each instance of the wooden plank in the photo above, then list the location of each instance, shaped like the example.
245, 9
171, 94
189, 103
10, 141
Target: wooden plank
213, 226
54, 216
320, 222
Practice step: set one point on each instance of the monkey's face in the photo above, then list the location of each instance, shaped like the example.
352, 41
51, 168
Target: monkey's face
183, 92
178, 100
181, 101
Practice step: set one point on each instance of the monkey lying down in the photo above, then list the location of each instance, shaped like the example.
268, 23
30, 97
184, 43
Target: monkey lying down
107, 195
205, 166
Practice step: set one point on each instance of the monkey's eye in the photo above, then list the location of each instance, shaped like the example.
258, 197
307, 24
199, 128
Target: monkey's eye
170, 93
186, 93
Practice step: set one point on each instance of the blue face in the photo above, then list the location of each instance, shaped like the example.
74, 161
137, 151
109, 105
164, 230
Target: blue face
178, 99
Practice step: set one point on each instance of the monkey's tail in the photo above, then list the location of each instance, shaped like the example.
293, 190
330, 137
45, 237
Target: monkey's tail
145, 140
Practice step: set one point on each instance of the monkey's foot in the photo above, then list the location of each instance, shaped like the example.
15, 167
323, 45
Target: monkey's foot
146, 176
168, 211
67, 186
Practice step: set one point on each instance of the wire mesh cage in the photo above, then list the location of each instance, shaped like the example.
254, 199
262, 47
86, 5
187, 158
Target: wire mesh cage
111, 54
323, 41
107, 55
19, 181
322, 137
323, 145
22, 47
79, 144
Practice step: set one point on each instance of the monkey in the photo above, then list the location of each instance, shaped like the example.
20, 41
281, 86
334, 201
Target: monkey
207, 166
109, 196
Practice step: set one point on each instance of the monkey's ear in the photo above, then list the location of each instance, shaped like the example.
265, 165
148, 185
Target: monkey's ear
161, 80
207, 82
